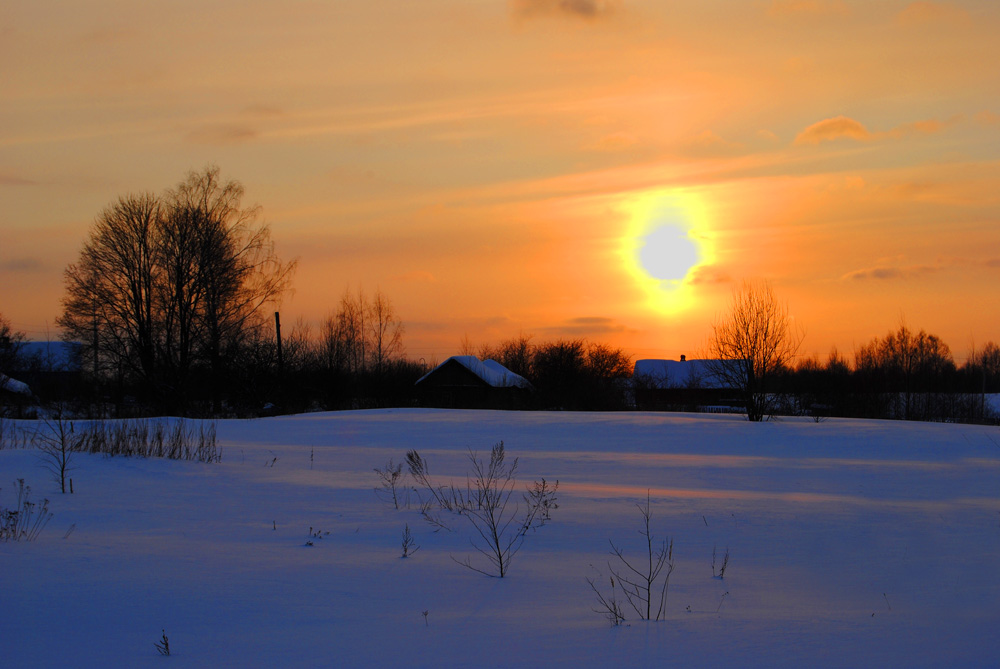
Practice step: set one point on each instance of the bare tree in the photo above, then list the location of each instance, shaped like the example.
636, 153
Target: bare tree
233, 269
167, 285
754, 341
57, 440
110, 305
385, 332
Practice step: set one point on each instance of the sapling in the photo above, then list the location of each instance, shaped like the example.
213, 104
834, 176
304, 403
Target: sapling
390, 479
58, 441
721, 573
409, 544
486, 502
637, 581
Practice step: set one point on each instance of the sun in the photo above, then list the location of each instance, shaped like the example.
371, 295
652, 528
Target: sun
665, 242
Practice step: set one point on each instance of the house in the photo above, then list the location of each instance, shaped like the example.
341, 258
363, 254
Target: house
681, 385
466, 382
15, 396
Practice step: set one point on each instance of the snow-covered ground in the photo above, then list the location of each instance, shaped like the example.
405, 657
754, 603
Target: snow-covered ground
852, 543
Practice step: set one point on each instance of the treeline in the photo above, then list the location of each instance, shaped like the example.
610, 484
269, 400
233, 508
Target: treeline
904, 375
566, 374
355, 360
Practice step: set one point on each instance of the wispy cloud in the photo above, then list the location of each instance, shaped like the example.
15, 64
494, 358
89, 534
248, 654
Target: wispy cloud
416, 276
986, 117
831, 129
886, 273
583, 9
14, 180
843, 127
222, 134
808, 8
707, 275
585, 325
708, 142
933, 14
22, 265
618, 141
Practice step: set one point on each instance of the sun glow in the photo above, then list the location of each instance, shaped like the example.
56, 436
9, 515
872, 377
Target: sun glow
666, 242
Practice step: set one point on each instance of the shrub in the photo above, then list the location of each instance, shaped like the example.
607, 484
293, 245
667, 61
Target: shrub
637, 581
486, 503
26, 519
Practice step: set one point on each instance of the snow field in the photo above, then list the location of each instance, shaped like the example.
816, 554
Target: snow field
852, 543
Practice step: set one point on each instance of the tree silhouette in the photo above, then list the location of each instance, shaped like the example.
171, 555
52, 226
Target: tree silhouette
752, 343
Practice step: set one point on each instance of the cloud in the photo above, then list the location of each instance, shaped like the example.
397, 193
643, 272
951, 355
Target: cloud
22, 265
842, 127
263, 110
831, 129
618, 141
885, 273
993, 262
986, 117
13, 180
808, 7
583, 9
416, 276
707, 275
222, 134
708, 143
928, 127
932, 14
585, 325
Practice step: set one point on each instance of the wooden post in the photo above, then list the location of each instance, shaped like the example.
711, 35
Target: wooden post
277, 330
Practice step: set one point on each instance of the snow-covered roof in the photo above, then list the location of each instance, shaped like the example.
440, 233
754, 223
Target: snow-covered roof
14, 386
490, 371
678, 373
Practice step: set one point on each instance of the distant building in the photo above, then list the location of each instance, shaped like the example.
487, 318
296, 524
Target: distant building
466, 382
15, 397
681, 385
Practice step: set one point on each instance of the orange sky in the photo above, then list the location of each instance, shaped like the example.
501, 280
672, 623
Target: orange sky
497, 166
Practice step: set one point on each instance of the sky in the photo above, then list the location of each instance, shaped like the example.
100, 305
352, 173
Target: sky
598, 169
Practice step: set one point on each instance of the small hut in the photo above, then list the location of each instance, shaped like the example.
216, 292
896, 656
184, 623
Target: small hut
466, 382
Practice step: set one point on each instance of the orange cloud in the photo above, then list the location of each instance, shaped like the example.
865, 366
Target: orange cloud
585, 9
710, 143
986, 117
618, 141
885, 273
14, 180
931, 14
843, 127
833, 128
813, 7
222, 134
418, 276
707, 274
